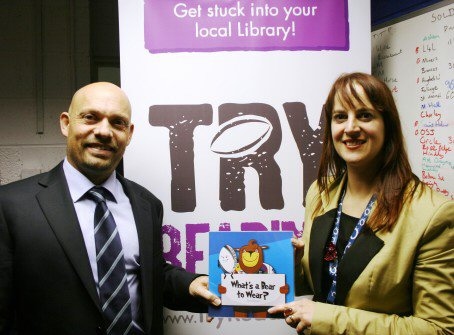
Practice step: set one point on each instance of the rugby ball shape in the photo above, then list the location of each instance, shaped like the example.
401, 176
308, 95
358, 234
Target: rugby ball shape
227, 259
241, 136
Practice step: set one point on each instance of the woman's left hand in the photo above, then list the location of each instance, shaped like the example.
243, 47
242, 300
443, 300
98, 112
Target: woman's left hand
298, 248
298, 314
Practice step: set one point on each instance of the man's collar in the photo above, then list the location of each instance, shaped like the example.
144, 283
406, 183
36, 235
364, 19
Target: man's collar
79, 184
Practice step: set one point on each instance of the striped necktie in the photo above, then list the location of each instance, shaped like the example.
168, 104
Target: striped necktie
112, 283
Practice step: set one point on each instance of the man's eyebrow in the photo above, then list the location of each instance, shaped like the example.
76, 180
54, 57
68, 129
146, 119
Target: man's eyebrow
88, 110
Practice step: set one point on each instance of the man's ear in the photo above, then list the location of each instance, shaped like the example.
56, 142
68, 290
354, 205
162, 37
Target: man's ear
131, 131
64, 123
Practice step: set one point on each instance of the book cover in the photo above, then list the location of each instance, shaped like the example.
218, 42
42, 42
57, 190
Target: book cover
250, 271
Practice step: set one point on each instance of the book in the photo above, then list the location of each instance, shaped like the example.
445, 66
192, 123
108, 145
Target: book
250, 271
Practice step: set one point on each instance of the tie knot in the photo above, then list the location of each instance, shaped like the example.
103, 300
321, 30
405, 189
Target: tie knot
100, 194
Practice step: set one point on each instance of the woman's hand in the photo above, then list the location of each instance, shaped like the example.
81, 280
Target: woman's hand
298, 314
298, 247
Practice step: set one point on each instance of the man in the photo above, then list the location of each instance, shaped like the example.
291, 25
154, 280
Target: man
51, 259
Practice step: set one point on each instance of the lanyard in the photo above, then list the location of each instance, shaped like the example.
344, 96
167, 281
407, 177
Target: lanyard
333, 259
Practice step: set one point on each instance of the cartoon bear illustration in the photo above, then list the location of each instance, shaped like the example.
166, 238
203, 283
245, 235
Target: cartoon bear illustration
250, 261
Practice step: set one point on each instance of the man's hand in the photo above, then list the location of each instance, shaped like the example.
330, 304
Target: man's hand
199, 289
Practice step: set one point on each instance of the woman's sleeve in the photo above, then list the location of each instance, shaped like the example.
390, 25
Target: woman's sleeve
432, 291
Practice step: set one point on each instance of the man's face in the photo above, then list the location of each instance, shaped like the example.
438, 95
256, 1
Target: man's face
98, 129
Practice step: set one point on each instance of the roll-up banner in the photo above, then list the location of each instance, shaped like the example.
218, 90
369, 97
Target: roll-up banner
227, 99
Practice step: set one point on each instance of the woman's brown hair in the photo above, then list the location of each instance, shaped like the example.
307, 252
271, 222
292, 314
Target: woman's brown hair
395, 171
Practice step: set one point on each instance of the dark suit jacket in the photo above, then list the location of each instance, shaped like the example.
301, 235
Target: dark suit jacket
46, 283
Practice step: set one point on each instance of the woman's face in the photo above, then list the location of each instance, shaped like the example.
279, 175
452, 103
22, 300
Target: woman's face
358, 132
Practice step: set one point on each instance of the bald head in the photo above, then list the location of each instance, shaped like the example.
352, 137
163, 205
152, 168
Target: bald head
100, 92
98, 129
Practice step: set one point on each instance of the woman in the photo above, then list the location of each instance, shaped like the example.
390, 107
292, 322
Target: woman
378, 243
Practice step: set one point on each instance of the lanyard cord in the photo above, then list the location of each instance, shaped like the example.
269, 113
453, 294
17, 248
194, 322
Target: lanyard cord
331, 255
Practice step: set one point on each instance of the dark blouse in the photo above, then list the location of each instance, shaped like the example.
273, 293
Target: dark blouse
347, 224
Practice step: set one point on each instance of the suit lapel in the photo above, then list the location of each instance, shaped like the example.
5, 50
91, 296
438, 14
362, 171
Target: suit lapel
144, 218
320, 233
57, 206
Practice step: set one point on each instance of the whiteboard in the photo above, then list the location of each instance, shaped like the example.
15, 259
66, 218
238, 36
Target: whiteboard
415, 58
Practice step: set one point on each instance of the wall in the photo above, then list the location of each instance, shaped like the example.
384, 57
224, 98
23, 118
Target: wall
44, 56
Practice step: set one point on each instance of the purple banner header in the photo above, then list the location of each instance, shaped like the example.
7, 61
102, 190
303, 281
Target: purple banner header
223, 25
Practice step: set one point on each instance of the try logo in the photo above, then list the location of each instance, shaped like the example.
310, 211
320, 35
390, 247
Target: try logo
249, 135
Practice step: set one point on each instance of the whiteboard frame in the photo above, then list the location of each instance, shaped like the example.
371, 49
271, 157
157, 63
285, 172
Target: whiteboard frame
412, 14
